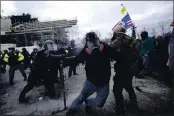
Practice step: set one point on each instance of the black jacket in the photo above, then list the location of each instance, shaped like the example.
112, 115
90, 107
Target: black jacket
98, 70
13, 59
43, 64
33, 55
125, 62
26, 56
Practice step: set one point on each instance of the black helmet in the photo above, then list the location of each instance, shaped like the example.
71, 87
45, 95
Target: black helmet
5, 51
24, 49
91, 36
11, 48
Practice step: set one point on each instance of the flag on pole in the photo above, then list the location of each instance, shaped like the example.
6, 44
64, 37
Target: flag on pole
123, 9
126, 22
119, 23
117, 27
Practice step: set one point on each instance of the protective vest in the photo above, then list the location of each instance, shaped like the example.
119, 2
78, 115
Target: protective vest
6, 57
20, 57
66, 51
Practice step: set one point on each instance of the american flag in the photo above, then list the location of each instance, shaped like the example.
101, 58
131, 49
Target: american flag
119, 23
126, 22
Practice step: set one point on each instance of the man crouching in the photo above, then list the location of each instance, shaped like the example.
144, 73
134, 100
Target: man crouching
98, 71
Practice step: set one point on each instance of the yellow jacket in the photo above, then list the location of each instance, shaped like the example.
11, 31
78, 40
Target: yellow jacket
20, 57
6, 57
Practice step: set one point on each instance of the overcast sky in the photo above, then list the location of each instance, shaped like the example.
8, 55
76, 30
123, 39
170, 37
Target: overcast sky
96, 15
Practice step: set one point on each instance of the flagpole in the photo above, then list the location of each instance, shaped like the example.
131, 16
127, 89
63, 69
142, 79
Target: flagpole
133, 28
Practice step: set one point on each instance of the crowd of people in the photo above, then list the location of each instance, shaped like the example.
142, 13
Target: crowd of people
133, 58
23, 60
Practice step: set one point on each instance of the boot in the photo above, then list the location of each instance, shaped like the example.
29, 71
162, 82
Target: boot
135, 108
71, 112
69, 75
22, 99
119, 113
74, 73
46, 93
11, 83
25, 78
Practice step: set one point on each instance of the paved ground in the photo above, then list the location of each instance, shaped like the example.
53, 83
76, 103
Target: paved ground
152, 99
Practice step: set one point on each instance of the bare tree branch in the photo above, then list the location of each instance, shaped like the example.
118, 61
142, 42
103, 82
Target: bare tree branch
161, 25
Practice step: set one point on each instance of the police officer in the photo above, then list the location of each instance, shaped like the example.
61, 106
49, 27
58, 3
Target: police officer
1, 55
5, 58
33, 54
124, 75
26, 58
72, 52
44, 67
16, 62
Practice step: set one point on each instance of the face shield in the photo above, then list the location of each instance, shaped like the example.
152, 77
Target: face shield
50, 46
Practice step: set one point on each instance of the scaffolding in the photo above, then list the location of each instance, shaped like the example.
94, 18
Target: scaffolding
55, 30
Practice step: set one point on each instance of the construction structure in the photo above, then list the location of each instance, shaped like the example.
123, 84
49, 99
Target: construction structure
61, 31
5, 25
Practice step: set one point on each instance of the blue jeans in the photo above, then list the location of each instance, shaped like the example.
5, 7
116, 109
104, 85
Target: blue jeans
89, 89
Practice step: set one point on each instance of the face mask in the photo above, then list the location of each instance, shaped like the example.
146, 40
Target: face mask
95, 50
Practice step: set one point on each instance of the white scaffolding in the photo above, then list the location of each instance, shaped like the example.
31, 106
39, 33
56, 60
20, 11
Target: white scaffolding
48, 29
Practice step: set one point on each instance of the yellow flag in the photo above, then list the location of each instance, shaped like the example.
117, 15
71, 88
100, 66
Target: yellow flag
123, 9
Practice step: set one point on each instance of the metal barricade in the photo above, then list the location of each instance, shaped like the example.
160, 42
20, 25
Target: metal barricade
80, 69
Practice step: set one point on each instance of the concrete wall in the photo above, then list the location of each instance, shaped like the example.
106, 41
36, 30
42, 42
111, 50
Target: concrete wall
6, 46
29, 48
